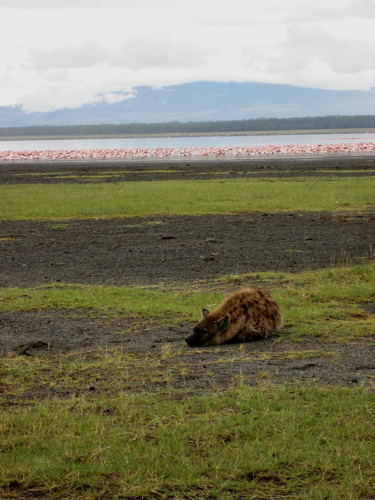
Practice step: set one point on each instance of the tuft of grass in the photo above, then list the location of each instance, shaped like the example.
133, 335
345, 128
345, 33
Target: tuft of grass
329, 303
103, 371
60, 227
64, 201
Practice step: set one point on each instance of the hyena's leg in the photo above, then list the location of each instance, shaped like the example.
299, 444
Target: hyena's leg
254, 332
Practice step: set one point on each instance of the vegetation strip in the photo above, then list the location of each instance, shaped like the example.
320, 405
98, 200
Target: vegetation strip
268, 442
103, 200
317, 124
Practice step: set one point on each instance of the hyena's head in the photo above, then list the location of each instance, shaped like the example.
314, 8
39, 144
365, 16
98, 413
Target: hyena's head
208, 331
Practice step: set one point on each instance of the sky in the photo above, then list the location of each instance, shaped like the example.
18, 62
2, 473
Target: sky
66, 53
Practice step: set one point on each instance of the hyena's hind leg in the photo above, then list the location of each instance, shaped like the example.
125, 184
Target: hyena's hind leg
254, 332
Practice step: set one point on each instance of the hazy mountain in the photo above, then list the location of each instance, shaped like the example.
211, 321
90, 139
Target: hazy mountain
204, 101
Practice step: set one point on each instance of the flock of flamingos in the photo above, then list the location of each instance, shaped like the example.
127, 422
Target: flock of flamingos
190, 152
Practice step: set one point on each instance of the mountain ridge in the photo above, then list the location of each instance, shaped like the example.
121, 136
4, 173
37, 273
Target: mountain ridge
203, 101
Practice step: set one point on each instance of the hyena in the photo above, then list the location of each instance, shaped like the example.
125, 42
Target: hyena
248, 314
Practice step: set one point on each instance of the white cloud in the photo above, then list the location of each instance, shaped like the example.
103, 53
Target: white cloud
306, 45
112, 97
156, 50
56, 53
363, 8
62, 4
71, 93
83, 55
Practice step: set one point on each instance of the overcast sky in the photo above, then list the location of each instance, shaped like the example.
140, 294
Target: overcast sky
64, 53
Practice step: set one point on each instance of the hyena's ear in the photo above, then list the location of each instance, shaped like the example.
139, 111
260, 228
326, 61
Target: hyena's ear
224, 322
205, 312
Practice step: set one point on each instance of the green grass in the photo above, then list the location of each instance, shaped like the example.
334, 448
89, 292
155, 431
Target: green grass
64, 201
268, 442
136, 302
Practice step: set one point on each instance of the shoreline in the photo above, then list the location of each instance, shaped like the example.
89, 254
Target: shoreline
164, 169
201, 154
368, 130
322, 157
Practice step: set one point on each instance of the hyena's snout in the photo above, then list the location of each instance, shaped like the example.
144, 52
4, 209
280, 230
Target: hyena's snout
193, 339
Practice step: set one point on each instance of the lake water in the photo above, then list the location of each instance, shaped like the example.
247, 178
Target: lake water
188, 142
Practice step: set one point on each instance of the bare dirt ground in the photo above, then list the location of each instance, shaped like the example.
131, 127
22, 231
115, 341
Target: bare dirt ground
189, 168
164, 251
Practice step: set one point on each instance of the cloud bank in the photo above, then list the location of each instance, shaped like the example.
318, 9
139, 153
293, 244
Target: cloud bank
67, 53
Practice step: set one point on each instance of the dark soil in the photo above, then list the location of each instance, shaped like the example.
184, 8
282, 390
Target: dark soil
169, 250
161, 169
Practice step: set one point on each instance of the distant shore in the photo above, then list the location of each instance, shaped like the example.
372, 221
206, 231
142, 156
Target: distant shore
191, 134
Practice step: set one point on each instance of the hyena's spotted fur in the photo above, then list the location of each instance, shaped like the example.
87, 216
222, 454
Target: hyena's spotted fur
248, 314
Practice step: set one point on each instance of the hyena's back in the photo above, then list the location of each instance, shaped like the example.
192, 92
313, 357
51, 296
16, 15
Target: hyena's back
253, 313
248, 314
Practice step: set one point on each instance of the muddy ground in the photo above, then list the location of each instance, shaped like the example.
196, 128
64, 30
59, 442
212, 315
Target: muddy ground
165, 251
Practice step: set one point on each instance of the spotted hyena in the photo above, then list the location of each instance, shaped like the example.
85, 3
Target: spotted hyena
248, 314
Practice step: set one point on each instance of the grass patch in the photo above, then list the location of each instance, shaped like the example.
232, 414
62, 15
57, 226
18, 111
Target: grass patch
168, 306
268, 442
24, 380
29, 380
64, 201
